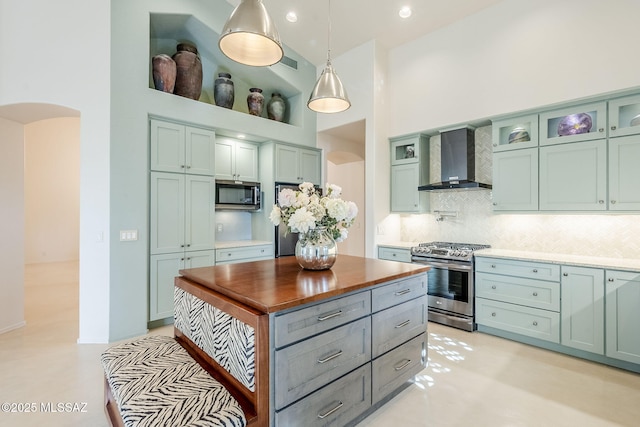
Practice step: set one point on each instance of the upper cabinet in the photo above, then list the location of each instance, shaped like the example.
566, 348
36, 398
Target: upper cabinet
408, 149
236, 160
297, 164
572, 124
624, 116
515, 133
409, 170
182, 149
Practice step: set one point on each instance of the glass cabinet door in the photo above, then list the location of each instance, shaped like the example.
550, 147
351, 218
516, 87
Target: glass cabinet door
515, 133
580, 123
624, 116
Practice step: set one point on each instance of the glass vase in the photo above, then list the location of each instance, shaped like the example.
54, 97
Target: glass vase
316, 249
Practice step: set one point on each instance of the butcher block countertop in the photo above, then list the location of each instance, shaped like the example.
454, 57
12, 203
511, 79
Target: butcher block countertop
278, 284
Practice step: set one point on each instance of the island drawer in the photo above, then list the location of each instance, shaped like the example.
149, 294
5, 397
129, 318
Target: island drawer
253, 253
335, 405
532, 322
301, 324
394, 254
528, 292
398, 366
527, 269
395, 325
308, 365
398, 292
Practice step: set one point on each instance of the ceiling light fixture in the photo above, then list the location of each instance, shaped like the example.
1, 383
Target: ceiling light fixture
292, 17
328, 95
404, 12
250, 36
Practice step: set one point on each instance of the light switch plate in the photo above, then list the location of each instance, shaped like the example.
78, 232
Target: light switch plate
128, 235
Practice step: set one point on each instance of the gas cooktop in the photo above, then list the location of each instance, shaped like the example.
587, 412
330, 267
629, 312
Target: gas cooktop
446, 250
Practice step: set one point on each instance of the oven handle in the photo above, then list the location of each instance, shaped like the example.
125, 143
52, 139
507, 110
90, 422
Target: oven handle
446, 265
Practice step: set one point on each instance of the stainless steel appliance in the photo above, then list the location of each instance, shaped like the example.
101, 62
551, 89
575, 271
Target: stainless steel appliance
450, 285
285, 242
237, 195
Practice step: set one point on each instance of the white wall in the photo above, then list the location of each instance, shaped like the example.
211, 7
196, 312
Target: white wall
350, 176
52, 190
59, 53
516, 55
12, 225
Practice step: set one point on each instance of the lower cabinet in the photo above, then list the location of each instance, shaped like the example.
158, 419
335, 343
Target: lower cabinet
588, 312
335, 360
393, 253
623, 315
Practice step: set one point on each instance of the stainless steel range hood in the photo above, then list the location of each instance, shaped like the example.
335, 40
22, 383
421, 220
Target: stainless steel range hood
458, 160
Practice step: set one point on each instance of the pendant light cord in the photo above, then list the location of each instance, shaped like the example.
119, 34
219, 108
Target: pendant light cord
329, 36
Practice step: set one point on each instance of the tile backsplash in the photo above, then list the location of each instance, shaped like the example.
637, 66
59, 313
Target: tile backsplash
607, 235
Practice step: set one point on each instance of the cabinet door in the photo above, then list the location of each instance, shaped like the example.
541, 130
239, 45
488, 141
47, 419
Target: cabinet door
582, 308
562, 126
246, 162
199, 218
309, 166
624, 173
199, 259
404, 188
164, 268
224, 159
515, 180
405, 150
624, 116
287, 164
167, 213
167, 146
200, 151
574, 176
515, 134
623, 315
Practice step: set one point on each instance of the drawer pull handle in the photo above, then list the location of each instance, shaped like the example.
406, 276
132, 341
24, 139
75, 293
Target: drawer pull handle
404, 365
403, 324
404, 292
330, 316
331, 411
333, 356
535, 323
535, 294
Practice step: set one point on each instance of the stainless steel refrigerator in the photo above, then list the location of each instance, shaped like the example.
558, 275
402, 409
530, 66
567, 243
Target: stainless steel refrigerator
285, 242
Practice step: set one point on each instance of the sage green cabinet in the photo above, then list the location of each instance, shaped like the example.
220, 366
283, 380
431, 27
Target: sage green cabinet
623, 315
409, 170
551, 120
182, 149
582, 308
573, 177
624, 173
515, 133
164, 269
236, 160
244, 254
515, 180
297, 164
393, 253
624, 116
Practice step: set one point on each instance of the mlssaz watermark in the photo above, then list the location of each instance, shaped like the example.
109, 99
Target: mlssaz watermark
48, 407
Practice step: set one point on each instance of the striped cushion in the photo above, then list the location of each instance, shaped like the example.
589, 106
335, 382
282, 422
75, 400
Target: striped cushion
156, 383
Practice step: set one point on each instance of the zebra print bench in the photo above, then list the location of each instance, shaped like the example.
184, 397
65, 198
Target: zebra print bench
209, 374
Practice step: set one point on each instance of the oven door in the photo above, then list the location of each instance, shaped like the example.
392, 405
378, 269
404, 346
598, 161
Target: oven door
450, 286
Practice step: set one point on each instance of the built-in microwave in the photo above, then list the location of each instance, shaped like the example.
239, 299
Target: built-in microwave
237, 195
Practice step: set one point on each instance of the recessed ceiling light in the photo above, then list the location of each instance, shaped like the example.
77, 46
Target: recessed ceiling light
404, 12
292, 17
241, 136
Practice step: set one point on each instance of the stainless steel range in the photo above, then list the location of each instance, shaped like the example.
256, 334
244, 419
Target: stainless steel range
451, 281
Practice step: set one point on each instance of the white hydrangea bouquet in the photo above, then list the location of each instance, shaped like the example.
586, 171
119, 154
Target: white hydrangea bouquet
306, 211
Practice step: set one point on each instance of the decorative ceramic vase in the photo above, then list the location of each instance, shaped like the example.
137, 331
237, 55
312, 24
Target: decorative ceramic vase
276, 107
255, 101
223, 91
164, 72
316, 249
188, 71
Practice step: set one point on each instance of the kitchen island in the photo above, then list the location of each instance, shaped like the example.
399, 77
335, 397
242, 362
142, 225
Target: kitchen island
330, 346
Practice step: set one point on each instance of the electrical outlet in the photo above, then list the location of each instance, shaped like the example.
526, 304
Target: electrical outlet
128, 235
219, 228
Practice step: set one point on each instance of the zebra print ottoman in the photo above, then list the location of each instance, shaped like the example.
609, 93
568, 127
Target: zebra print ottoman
156, 383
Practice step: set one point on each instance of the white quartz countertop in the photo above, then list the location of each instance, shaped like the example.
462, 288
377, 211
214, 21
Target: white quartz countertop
631, 264
241, 244
397, 244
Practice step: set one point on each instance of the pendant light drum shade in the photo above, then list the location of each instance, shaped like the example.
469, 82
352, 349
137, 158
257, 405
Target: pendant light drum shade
250, 36
328, 95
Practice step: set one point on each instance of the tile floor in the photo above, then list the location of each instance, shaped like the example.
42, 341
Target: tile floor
472, 379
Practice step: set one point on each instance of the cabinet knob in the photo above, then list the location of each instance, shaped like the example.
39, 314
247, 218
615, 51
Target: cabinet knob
493, 287
601, 202
181, 166
611, 279
493, 266
495, 204
495, 145
565, 274
535, 294
535, 270
493, 314
614, 127
188, 166
535, 323
613, 202
601, 130
182, 246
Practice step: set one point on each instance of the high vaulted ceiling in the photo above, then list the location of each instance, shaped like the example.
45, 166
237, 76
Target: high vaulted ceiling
354, 22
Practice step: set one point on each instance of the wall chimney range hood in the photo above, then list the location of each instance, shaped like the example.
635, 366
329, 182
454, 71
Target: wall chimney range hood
458, 159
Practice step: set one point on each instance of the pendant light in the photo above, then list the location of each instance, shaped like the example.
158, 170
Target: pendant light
250, 36
328, 95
